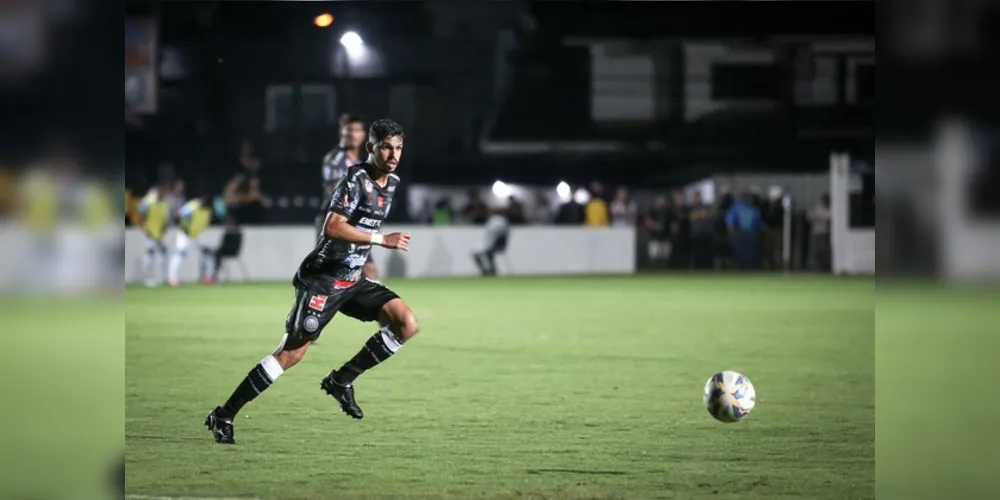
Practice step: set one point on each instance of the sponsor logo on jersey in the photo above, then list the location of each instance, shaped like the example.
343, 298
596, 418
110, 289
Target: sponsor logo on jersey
317, 302
381, 202
366, 221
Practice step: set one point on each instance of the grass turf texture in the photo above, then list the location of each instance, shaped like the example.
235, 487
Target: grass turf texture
533, 388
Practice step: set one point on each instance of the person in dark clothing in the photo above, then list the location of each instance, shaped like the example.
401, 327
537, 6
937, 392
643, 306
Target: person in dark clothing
680, 234
476, 211
658, 221
571, 213
702, 218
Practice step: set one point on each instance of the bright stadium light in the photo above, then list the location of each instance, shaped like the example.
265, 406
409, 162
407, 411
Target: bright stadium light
353, 44
563, 191
581, 196
501, 190
323, 20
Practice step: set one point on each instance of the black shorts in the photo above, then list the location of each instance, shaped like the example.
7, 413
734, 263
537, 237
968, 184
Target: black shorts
312, 310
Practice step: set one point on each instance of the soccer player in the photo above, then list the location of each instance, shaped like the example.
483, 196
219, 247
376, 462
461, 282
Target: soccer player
330, 280
335, 164
192, 219
497, 233
154, 212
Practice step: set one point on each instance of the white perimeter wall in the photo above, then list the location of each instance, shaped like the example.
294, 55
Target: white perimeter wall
274, 253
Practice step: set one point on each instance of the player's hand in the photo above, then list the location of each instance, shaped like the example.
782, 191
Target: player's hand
399, 241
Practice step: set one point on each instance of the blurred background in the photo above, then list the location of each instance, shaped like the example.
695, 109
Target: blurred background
654, 116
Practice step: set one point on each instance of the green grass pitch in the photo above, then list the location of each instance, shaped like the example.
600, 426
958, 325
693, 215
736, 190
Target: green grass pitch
516, 388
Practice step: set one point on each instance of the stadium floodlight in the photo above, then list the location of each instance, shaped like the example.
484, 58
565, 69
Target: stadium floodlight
323, 20
581, 196
563, 191
501, 190
353, 44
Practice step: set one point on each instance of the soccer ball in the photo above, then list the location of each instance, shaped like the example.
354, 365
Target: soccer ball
729, 396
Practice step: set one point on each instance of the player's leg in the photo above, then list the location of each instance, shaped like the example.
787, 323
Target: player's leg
149, 261
480, 259
206, 265
373, 302
309, 314
499, 246
164, 255
180, 252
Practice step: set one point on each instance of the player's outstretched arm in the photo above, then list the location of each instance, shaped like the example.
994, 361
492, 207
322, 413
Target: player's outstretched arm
339, 228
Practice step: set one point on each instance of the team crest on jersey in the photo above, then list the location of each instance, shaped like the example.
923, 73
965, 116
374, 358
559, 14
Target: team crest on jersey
317, 302
310, 324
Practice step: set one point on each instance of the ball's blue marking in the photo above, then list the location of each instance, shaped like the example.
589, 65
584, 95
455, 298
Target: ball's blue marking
740, 393
739, 412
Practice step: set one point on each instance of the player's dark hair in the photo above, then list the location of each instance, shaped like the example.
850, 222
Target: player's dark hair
349, 118
383, 128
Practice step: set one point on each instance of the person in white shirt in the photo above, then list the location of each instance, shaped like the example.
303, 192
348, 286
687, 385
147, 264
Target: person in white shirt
543, 213
623, 210
819, 244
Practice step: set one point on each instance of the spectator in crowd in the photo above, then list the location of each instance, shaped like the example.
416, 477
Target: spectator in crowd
442, 215
257, 203
745, 223
543, 209
570, 213
249, 162
176, 198
132, 202
231, 194
623, 209
475, 211
702, 218
657, 222
8, 192
245, 200
680, 233
597, 213
819, 243
424, 214
515, 212
773, 214
723, 243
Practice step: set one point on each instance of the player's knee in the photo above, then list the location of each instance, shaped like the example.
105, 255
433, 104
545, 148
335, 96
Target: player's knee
406, 326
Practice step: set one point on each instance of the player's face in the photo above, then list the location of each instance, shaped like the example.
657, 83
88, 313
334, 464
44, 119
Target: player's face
352, 135
387, 153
